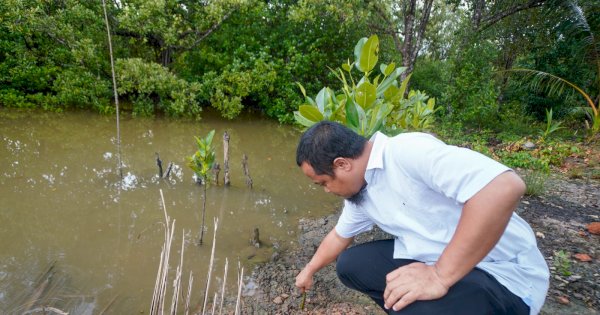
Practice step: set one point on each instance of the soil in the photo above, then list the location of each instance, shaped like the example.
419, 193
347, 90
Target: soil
559, 218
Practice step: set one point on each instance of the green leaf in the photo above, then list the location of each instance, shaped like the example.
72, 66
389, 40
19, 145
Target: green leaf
388, 70
357, 52
404, 84
391, 92
301, 89
369, 54
209, 138
351, 115
323, 98
385, 84
310, 113
302, 120
365, 95
346, 67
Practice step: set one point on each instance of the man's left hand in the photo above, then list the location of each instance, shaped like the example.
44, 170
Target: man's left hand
413, 282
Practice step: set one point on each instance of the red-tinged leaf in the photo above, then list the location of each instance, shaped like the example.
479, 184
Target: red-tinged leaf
594, 228
583, 257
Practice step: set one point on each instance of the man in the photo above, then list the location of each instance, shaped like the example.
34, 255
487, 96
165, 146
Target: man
458, 249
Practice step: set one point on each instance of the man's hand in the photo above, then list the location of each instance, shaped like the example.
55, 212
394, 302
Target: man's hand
304, 280
414, 282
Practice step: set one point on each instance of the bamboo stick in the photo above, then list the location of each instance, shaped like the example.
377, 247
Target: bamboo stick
116, 94
189, 293
210, 264
223, 287
240, 285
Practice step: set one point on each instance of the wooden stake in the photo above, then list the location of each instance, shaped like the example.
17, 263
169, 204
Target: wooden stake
226, 158
246, 171
159, 164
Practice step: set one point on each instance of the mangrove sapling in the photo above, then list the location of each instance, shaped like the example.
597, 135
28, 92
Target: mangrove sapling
201, 162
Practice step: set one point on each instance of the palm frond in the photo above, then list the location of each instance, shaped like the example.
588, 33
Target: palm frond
552, 84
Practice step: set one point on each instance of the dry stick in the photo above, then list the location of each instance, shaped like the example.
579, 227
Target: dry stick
169, 168
214, 303
42, 283
246, 171
114, 79
223, 287
159, 164
189, 294
109, 305
226, 159
177, 282
45, 309
157, 305
240, 284
166, 270
210, 264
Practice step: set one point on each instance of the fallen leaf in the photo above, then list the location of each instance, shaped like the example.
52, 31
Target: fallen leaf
581, 233
563, 300
594, 228
583, 257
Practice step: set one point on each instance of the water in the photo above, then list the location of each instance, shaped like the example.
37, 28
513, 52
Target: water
63, 203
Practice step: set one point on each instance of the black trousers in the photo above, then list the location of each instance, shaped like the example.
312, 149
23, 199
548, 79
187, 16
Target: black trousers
364, 267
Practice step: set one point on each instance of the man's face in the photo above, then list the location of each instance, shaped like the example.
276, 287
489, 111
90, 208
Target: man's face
345, 183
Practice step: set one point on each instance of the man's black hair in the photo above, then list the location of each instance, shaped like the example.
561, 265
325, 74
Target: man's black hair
324, 142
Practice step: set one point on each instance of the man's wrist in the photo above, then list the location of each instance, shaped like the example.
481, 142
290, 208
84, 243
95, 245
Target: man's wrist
442, 277
311, 268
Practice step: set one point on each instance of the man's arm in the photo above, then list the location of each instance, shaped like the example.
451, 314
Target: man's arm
331, 246
482, 222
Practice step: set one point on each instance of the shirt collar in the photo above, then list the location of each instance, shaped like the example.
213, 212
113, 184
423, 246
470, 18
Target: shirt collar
376, 157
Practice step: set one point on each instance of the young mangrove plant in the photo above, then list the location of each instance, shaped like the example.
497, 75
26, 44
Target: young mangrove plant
201, 162
376, 102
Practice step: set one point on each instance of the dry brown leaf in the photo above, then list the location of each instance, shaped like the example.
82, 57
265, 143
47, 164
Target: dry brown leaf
583, 257
563, 300
594, 228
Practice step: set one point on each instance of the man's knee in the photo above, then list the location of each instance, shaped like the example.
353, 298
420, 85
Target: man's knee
345, 265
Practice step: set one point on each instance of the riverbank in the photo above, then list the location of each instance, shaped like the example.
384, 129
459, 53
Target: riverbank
559, 217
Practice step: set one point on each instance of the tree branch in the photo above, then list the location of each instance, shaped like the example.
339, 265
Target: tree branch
491, 20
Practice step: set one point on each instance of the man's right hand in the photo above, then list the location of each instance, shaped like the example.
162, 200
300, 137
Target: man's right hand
304, 280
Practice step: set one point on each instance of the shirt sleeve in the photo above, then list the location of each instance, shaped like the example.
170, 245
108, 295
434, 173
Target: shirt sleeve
352, 221
457, 173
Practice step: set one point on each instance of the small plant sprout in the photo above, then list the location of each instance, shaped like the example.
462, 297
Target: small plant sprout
201, 162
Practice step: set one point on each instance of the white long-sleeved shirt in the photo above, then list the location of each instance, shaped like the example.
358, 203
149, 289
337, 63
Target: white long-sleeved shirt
416, 188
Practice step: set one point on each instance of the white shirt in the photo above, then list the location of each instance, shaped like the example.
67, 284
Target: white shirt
416, 188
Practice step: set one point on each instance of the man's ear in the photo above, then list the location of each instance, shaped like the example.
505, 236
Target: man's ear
342, 163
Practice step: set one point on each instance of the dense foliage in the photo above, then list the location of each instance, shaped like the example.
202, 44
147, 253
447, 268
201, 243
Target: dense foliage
176, 57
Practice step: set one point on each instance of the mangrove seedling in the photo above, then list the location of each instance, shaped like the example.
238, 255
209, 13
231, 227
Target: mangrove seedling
201, 162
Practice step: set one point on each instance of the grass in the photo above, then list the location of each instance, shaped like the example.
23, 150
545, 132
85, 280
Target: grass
535, 182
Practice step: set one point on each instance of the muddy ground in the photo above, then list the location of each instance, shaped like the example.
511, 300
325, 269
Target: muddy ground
558, 217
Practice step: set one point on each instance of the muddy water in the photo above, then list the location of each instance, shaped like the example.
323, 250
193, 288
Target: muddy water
62, 204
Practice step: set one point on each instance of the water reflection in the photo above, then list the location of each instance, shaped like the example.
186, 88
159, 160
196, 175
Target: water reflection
62, 200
